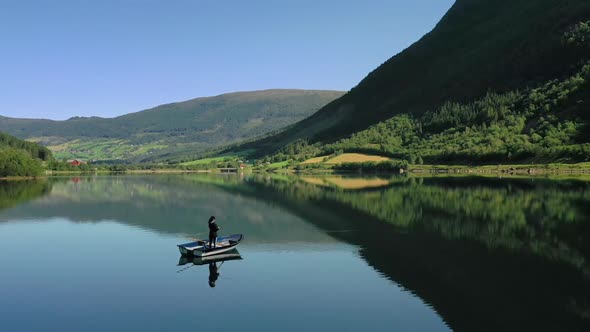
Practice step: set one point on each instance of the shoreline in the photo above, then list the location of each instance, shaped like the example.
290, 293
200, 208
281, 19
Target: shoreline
21, 178
510, 169
146, 171
524, 169
528, 170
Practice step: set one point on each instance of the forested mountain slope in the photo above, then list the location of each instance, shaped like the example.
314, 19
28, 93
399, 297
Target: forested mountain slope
479, 47
21, 158
34, 150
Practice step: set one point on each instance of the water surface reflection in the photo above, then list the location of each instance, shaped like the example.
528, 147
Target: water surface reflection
486, 254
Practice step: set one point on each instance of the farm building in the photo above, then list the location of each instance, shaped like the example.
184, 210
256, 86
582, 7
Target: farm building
76, 162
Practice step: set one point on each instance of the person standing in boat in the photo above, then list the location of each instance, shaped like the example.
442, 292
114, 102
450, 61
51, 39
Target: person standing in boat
213, 228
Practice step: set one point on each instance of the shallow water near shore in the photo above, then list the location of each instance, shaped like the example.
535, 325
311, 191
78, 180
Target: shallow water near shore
328, 253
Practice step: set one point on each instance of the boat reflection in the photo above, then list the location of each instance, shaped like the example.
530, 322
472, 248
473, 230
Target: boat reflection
214, 263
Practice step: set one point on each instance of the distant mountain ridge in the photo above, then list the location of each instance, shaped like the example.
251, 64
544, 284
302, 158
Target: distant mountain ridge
182, 128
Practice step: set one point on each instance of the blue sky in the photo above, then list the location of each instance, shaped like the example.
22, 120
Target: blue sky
111, 57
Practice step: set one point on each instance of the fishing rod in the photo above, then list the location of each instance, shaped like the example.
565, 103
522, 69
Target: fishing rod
186, 268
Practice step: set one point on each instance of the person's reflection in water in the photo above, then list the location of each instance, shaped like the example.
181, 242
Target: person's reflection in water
213, 275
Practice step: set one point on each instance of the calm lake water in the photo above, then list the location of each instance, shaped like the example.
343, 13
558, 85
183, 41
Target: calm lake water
98, 253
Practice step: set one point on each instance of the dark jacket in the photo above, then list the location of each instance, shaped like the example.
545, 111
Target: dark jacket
213, 228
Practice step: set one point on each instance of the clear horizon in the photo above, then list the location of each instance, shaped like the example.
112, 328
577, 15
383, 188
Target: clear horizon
109, 58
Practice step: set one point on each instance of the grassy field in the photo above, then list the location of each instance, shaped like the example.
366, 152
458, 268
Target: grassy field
206, 161
99, 148
346, 158
356, 158
220, 158
315, 160
278, 165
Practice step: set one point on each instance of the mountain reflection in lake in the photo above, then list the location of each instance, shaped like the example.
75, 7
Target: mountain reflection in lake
330, 253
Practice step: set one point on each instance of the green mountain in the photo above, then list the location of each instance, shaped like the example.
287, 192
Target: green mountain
516, 66
173, 130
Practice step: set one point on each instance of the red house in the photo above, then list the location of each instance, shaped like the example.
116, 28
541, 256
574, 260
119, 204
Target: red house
76, 162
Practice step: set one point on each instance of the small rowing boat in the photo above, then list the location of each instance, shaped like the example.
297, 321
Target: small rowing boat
200, 248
